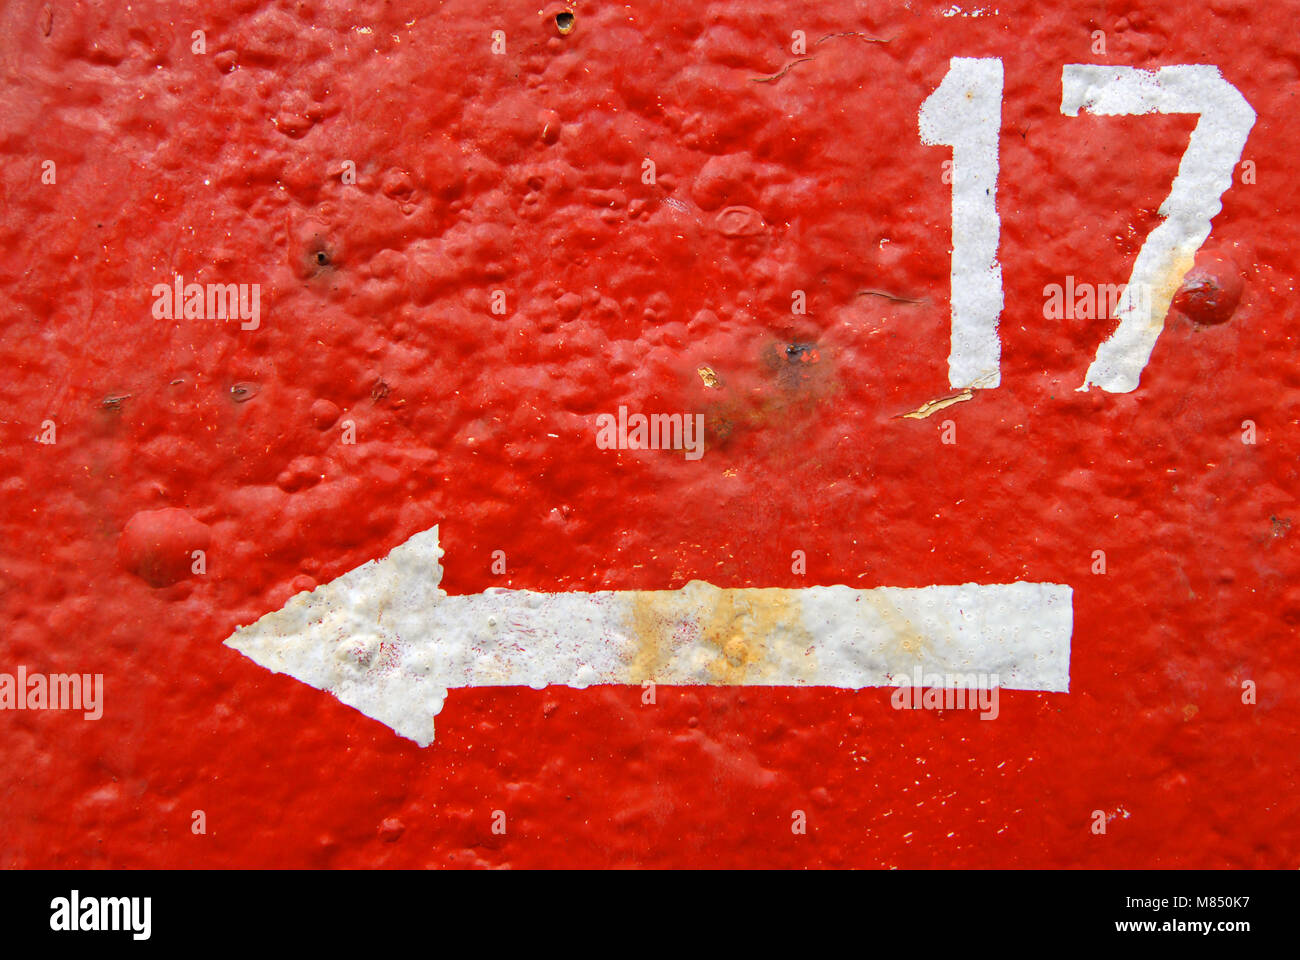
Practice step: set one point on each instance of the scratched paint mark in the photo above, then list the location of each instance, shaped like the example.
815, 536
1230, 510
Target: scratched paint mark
890, 296
784, 70
931, 407
708, 376
852, 33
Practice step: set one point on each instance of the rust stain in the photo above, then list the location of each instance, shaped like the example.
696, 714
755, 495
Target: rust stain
651, 635
1171, 278
745, 636
750, 631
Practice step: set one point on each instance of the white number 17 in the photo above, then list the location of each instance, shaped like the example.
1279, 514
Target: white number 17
965, 112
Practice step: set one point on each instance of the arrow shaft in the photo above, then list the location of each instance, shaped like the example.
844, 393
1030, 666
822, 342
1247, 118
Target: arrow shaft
384, 639
815, 636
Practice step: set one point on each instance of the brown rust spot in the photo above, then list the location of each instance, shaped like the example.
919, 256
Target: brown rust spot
750, 636
707, 374
749, 631
651, 635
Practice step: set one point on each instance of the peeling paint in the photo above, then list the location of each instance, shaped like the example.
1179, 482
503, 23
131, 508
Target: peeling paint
934, 406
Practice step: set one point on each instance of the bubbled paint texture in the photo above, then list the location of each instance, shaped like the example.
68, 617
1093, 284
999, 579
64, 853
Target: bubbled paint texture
522, 173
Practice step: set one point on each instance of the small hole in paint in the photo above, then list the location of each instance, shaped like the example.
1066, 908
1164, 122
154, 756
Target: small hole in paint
564, 22
322, 258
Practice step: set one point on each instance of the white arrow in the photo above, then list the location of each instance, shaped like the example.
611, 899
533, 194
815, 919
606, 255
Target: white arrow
383, 638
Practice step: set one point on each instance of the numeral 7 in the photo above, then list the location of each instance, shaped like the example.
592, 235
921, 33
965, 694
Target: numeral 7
1195, 198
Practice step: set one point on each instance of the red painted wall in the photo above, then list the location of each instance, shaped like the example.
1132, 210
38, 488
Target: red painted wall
522, 172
